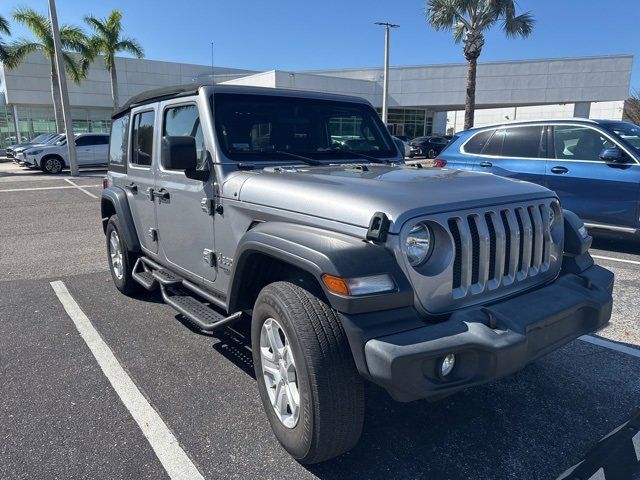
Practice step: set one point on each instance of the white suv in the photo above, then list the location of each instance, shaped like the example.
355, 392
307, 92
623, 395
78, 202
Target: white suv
91, 149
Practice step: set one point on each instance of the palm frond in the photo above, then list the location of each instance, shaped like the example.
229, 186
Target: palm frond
131, 46
34, 21
18, 51
445, 14
519, 26
459, 31
4, 26
74, 67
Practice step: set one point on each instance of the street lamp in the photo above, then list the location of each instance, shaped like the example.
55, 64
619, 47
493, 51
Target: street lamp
385, 89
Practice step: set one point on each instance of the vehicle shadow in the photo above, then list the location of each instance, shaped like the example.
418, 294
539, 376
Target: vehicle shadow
531, 425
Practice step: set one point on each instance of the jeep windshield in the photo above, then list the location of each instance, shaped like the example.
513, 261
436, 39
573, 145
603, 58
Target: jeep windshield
275, 128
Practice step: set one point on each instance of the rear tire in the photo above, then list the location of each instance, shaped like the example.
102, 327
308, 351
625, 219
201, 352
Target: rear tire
326, 383
121, 259
52, 164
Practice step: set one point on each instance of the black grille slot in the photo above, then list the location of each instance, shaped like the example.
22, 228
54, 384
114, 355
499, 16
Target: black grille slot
475, 245
544, 230
521, 229
492, 246
507, 235
457, 261
532, 262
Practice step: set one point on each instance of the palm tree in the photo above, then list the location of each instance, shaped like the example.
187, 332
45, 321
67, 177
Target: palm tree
469, 19
108, 41
4, 28
72, 38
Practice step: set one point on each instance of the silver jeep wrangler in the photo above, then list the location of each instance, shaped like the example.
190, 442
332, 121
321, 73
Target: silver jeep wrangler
295, 210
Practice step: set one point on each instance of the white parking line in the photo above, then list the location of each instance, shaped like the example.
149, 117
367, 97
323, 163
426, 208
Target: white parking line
624, 260
80, 188
47, 188
601, 342
173, 458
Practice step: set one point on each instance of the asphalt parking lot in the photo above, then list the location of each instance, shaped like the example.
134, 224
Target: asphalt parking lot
60, 416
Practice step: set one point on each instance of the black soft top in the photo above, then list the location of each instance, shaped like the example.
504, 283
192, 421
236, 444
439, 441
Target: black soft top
156, 94
177, 91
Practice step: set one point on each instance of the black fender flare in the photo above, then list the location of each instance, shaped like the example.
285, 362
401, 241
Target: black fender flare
318, 251
117, 198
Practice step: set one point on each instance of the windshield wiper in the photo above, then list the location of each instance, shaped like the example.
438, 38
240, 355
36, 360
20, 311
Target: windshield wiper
362, 155
307, 160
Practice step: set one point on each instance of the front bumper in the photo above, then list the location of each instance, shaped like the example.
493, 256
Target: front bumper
491, 341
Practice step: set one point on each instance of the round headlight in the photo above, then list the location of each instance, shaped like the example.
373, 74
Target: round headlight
418, 244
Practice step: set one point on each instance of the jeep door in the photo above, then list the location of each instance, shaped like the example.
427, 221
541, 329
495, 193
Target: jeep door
139, 184
516, 152
185, 224
597, 191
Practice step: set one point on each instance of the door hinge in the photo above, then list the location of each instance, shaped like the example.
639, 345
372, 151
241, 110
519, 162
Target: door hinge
209, 257
153, 234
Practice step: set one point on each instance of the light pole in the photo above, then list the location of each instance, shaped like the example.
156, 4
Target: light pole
385, 88
64, 93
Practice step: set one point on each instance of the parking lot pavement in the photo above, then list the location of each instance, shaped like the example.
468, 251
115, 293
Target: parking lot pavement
60, 416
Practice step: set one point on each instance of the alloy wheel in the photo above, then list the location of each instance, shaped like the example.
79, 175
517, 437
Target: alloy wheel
116, 255
279, 372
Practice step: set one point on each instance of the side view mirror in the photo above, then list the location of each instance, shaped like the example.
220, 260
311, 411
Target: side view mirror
612, 155
179, 153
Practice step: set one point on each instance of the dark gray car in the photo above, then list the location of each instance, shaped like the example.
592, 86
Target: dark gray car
293, 211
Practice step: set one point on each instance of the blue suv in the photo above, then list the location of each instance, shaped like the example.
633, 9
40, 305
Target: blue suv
592, 165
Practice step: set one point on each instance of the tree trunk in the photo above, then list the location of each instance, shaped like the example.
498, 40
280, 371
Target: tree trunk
473, 43
114, 86
57, 101
470, 100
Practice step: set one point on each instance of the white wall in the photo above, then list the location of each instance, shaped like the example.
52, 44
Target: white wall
490, 116
30, 83
527, 82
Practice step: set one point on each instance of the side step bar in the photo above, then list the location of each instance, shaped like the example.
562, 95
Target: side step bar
143, 276
182, 295
201, 315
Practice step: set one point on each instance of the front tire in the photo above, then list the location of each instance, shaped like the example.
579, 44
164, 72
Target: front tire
431, 153
308, 361
53, 164
121, 260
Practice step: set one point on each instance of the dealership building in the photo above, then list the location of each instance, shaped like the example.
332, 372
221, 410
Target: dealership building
423, 99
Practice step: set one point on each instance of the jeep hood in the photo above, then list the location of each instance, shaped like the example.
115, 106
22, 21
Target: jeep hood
352, 194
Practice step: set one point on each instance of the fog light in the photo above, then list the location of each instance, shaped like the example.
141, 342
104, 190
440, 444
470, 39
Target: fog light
447, 364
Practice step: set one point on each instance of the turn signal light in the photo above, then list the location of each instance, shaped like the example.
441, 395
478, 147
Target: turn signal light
105, 182
439, 163
335, 284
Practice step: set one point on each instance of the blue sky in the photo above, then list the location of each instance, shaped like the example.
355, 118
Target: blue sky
297, 35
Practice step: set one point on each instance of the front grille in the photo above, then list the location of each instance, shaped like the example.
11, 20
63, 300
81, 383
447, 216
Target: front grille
499, 247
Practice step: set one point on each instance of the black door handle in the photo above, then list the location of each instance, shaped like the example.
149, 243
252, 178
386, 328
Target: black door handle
559, 170
486, 164
133, 187
162, 194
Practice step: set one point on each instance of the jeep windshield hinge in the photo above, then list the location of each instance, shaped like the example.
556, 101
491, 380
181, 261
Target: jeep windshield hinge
378, 227
207, 205
209, 257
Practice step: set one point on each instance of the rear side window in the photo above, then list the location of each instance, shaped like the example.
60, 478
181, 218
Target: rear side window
142, 138
478, 142
522, 142
118, 143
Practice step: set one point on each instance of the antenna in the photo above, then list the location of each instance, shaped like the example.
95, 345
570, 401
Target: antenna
213, 75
